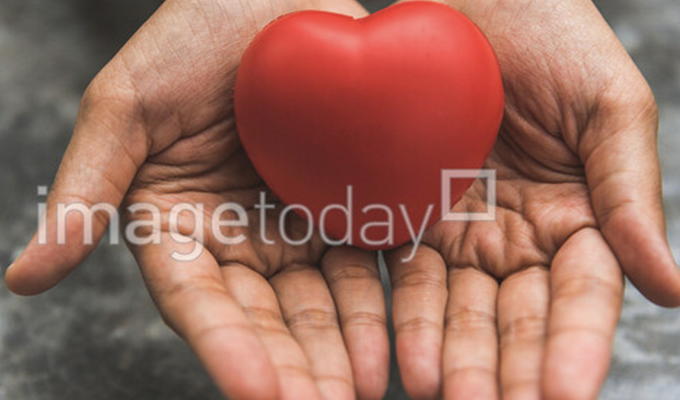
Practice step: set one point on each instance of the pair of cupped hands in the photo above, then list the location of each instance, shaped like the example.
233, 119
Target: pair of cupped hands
524, 307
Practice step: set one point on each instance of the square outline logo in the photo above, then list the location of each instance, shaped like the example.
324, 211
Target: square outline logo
488, 174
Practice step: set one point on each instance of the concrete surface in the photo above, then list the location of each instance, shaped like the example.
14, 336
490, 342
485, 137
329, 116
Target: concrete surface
98, 336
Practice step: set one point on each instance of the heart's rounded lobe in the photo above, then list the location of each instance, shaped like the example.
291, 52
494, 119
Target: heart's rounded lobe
382, 104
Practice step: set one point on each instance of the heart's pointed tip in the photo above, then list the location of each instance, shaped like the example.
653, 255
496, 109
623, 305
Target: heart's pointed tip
307, 101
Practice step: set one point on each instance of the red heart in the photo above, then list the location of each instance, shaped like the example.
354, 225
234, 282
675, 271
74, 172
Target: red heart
382, 103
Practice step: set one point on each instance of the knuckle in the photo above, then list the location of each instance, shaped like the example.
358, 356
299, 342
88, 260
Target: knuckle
468, 319
530, 328
359, 318
352, 273
417, 324
419, 278
110, 93
312, 318
645, 106
180, 291
292, 370
587, 286
265, 319
469, 370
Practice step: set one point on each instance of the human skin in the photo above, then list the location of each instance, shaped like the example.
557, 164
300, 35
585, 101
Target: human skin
157, 126
579, 200
526, 307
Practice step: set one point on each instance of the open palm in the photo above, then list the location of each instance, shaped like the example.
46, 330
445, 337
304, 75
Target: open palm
525, 307
578, 198
272, 298
156, 128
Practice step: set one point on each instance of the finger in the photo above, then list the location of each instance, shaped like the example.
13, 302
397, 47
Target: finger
101, 160
624, 176
194, 302
257, 298
110, 142
523, 301
309, 313
354, 281
587, 290
419, 296
471, 340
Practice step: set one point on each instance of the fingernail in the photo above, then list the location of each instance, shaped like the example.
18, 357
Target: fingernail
15, 257
12, 264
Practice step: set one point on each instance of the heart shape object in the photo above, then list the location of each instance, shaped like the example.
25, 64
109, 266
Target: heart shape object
382, 104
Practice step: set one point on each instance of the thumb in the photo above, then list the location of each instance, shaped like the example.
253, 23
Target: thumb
624, 176
110, 144
102, 158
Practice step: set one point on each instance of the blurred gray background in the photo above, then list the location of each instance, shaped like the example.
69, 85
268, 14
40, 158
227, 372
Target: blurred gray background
98, 335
